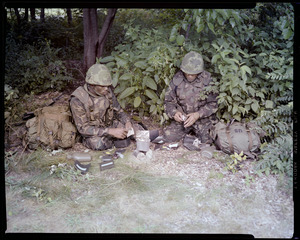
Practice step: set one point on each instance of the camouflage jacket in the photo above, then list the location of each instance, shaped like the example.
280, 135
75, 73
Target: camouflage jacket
94, 114
184, 96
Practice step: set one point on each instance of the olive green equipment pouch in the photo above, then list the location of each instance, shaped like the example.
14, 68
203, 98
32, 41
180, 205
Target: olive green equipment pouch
52, 127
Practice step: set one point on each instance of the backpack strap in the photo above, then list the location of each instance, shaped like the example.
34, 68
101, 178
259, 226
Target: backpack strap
51, 140
83, 97
249, 137
229, 139
38, 114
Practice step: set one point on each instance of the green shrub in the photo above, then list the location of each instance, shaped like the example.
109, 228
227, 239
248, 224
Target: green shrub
250, 54
35, 68
142, 67
277, 158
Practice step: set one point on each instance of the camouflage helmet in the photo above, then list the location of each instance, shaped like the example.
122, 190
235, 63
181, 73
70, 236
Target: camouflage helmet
98, 74
192, 63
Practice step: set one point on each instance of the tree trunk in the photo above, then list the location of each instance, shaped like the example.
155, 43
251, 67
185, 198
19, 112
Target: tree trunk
69, 14
26, 15
105, 30
18, 16
32, 13
42, 15
94, 44
90, 31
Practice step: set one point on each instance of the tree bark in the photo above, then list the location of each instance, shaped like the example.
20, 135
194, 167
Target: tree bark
90, 31
105, 30
42, 15
26, 15
69, 14
18, 16
94, 44
32, 13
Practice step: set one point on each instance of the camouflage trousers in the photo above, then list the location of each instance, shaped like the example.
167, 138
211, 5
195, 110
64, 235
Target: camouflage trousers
201, 128
106, 142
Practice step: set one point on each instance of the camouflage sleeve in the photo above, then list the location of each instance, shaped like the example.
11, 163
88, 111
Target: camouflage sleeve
210, 107
121, 115
82, 122
171, 103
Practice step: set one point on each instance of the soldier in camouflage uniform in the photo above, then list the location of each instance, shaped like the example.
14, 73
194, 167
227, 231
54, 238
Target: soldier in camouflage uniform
183, 103
96, 112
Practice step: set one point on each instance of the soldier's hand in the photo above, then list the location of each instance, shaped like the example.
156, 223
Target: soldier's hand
191, 119
178, 117
120, 133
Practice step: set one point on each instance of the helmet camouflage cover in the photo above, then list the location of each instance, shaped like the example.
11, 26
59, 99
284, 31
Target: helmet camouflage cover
192, 63
98, 74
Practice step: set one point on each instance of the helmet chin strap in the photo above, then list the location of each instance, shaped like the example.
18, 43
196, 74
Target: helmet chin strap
91, 91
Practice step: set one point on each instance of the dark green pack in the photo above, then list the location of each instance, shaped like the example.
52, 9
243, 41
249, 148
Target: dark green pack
237, 137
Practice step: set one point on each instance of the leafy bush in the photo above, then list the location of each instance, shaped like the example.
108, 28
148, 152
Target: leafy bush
277, 158
34, 68
243, 52
250, 54
68, 38
142, 67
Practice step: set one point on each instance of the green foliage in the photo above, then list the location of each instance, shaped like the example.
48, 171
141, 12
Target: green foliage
142, 67
250, 54
246, 55
235, 162
34, 68
277, 157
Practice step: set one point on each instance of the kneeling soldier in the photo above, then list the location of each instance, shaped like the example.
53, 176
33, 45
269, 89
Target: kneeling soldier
183, 102
96, 112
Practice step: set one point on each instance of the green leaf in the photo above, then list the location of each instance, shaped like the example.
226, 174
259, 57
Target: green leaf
173, 33
243, 110
200, 27
255, 106
126, 76
121, 62
211, 27
137, 102
107, 59
215, 58
215, 46
115, 79
287, 33
251, 91
236, 91
127, 92
198, 19
246, 69
248, 101
151, 94
269, 104
141, 64
260, 94
150, 69
234, 109
149, 82
152, 108
232, 22
180, 40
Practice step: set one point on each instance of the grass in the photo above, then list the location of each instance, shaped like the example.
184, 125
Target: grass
125, 199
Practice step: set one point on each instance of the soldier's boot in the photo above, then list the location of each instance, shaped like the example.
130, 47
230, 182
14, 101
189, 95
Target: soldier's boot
174, 132
192, 143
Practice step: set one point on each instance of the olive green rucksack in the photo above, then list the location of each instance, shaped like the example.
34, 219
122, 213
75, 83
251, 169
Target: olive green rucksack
237, 137
51, 127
